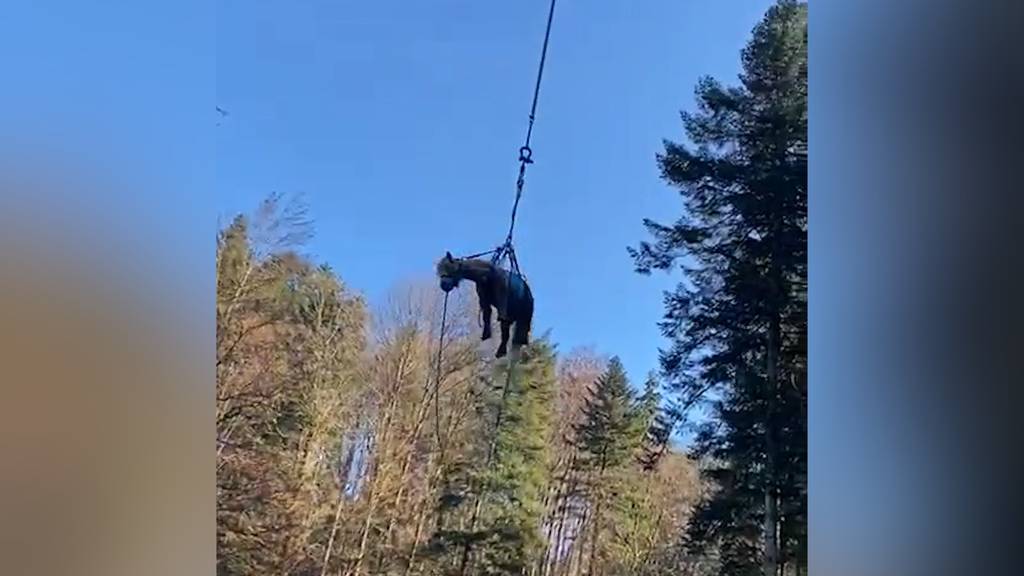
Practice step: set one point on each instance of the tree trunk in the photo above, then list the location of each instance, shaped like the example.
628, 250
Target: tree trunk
421, 413
551, 501
381, 453
642, 546
421, 518
561, 510
372, 479
334, 531
598, 497
364, 537
436, 480
420, 521
546, 527
595, 534
771, 513
580, 542
552, 560
464, 560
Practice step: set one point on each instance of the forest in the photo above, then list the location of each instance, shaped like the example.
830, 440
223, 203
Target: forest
348, 444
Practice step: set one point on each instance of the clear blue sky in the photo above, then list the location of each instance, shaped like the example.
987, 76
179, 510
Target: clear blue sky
400, 123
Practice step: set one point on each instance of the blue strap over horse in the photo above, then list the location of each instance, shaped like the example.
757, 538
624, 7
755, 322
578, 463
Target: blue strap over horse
518, 289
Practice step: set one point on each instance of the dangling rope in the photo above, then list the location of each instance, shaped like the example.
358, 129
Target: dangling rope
437, 382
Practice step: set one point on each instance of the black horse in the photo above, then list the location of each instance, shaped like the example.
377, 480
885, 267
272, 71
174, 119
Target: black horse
503, 290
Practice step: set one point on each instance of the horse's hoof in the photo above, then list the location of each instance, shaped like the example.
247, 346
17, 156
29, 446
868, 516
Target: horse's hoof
486, 336
500, 353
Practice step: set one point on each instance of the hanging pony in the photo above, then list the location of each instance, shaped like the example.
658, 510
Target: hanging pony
503, 290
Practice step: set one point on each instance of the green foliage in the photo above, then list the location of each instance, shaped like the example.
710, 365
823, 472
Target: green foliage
327, 453
289, 337
510, 484
737, 324
518, 475
609, 439
233, 258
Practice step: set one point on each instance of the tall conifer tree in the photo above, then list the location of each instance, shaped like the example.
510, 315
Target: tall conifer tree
737, 322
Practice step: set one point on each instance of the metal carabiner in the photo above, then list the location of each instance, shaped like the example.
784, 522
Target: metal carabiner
526, 155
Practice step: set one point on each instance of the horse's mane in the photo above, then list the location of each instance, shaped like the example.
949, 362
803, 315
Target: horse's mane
475, 264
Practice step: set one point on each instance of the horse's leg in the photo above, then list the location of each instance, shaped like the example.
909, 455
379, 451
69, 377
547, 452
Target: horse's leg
485, 310
523, 322
522, 333
503, 347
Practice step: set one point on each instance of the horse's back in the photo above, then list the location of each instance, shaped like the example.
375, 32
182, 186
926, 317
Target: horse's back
521, 296
510, 289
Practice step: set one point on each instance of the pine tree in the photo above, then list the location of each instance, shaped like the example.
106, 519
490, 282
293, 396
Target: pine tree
608, 438
522, 458
608, 431
737, 323
500, 501
648, 404
633, 521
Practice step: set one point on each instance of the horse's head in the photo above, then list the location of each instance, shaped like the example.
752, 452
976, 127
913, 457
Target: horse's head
449, 271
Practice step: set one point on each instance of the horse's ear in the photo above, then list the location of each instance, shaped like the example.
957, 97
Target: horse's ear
448, 255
